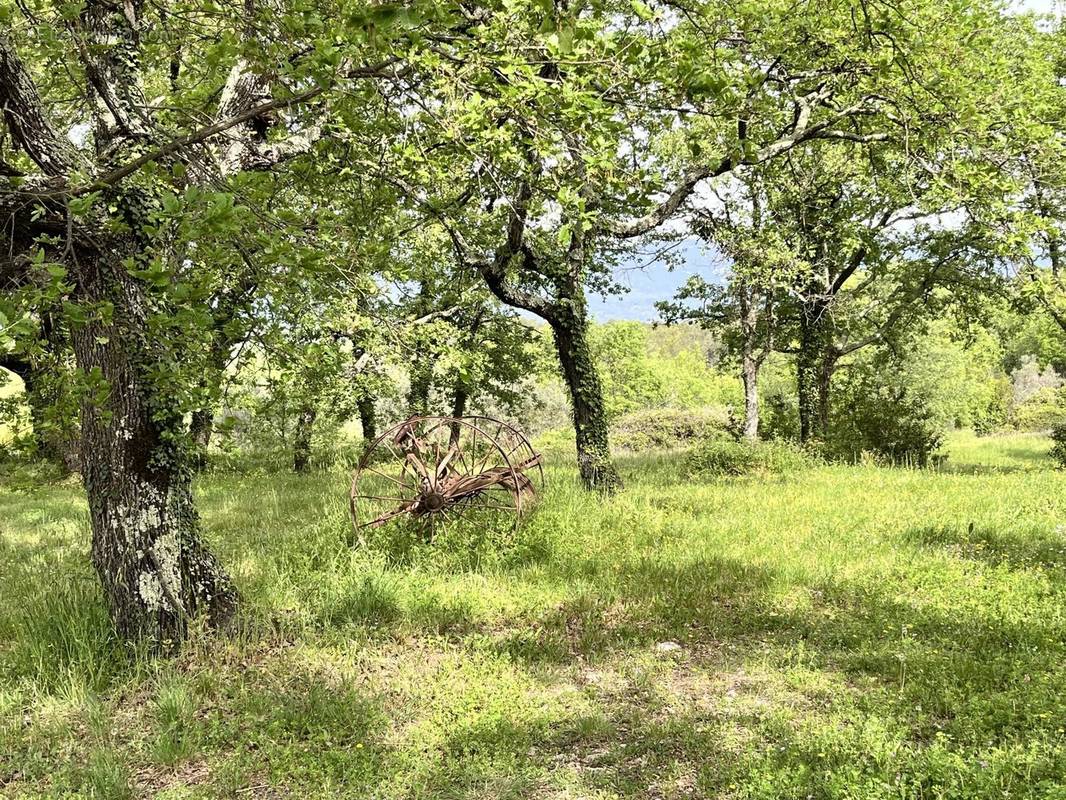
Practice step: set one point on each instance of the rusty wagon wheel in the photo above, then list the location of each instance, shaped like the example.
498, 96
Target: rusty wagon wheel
518, 449
431, 473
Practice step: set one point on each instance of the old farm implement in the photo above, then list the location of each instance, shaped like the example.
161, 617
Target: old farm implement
432, 473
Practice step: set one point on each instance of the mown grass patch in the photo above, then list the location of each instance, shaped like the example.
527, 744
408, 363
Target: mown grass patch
842, 631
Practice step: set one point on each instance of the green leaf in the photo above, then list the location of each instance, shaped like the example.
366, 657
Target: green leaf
566, 40
80, 205
642, 10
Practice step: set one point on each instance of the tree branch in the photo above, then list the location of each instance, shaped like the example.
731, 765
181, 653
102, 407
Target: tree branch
904, 303
209, 131
800, 131
24, 114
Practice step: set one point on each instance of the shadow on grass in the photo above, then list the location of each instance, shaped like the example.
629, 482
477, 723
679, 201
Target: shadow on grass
1027, 459
983, 470
982, 668
1038, 548
643, 744
645, 602
1029, 454
951, 683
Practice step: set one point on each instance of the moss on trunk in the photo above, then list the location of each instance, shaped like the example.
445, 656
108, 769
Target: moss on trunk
570, 332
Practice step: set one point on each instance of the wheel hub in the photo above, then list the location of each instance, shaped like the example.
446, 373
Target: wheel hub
433, 501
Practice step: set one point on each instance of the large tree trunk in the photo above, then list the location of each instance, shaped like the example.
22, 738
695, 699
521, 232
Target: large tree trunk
825, 385
156, 573
570, 331
459, 399
806, 393
368, 418
812, 387
301, 450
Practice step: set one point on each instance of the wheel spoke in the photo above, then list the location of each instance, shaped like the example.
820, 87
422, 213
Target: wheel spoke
387, 477
469, 461
473, 520
382, 519
462, 455
436, 465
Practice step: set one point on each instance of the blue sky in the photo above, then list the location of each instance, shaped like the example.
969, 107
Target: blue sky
648, 284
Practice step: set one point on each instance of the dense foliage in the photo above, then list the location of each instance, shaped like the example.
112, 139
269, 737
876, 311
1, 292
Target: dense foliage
272, 225
248, 246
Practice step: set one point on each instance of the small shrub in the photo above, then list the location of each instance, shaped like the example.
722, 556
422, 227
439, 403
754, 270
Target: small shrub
664, 428
888, 422
727, 457
1058, 450
1042, 410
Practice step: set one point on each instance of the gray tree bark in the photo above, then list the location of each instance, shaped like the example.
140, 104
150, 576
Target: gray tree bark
156, 572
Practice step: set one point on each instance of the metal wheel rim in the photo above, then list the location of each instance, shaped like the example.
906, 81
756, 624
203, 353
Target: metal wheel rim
522, 439
427, 425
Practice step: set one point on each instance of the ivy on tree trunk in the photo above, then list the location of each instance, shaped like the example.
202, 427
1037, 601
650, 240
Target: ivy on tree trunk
570, 333
367, 418
155, 570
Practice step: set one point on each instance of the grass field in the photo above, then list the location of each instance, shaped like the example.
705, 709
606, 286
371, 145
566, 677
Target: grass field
846, 632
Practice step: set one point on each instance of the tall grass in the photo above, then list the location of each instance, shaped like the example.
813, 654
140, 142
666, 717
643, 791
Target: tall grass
836, 631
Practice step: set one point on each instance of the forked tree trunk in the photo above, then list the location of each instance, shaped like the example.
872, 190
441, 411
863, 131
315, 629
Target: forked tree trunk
301, 450
368, 418
570, 332
155, 570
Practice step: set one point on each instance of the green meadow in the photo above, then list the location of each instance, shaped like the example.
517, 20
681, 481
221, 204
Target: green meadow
839, 632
